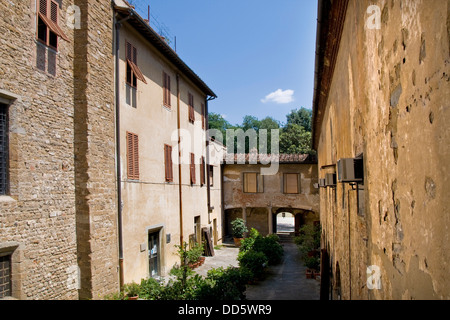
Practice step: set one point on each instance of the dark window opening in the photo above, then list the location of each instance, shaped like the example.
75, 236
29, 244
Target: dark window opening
4, 149
5, 276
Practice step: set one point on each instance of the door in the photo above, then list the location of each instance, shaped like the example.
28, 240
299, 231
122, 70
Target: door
153, 254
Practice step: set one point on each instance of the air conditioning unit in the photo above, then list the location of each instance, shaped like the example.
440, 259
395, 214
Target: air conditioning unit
322, 183
330, 180
350, 170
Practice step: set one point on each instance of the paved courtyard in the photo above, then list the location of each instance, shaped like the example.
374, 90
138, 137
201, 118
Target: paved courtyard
286, 281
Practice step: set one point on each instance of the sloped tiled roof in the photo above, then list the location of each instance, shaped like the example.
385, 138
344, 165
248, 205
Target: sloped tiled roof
253, 158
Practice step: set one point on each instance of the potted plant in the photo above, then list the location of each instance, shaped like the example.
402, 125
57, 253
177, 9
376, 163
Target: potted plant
132, 291
238, 229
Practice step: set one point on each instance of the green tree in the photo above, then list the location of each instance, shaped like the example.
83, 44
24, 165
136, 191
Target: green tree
294, 139
302, 117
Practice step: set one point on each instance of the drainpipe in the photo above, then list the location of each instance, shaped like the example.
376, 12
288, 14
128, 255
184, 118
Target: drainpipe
208, 186
118, 164
180, 192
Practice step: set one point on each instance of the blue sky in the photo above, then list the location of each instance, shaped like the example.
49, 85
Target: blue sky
256, 55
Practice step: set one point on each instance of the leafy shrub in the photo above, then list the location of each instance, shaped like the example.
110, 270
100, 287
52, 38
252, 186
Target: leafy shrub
150, 289
247, 243
271, 248
224, 284
254, 261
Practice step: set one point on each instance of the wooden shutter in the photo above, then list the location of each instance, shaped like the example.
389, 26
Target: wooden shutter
291, 183
48, 14
166, 89
131, 57
202, 171
192, 167
168, 163
250, 182
132, 156
191, 108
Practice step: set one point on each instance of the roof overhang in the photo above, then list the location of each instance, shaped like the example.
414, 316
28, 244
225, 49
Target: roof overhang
330, 23
141, 26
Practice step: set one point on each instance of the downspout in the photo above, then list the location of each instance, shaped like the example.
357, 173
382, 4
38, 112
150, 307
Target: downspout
118, 163
180, 192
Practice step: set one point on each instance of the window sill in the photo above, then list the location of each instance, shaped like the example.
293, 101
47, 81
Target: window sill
6, 199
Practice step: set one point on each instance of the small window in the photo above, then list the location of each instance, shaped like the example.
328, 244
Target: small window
133, 71
166, 90
168, 164
192, 169
4, 149
253, 182
48, 29
132, 156
5, 276
291, 183
191, 108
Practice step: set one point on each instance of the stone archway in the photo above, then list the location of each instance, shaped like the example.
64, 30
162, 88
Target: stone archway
301, 217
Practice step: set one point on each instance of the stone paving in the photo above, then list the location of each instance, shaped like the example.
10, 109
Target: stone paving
286, 281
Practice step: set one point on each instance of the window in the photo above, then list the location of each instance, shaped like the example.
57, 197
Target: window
202, 171
4, 149
291, 183
191, 108
203, 116
166, 89
133, 71
168, 163
192, 168
48, 29
133, 156
5, 275
253, 182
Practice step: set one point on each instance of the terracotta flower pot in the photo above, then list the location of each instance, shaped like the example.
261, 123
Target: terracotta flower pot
237, 241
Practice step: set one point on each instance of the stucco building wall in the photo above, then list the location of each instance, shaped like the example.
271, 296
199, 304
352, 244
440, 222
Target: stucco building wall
388, 100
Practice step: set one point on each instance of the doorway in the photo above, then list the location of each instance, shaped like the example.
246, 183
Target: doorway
153, 254
285, 223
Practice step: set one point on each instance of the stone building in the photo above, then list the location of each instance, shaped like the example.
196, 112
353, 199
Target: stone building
58, 236
165, 190
258, 198
380, 127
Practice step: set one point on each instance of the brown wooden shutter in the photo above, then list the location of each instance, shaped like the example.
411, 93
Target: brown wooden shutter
291, 183
136, 156
132, 156
168, 163
191, 108
192, 167
250, 182
49, 16
131, 57
43, 7
166, 89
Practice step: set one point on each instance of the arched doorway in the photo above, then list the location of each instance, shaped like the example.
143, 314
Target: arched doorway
292, 215
285, 223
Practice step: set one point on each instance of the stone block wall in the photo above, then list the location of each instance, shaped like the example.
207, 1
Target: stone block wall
94, 143
37, 216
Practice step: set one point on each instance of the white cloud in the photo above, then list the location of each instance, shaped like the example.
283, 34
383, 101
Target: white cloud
279, 97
